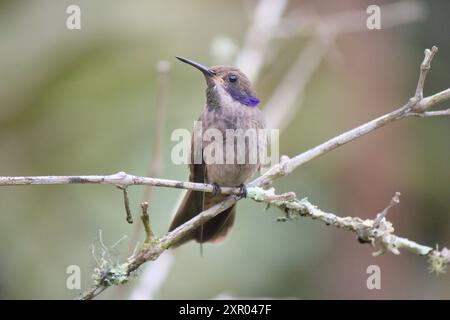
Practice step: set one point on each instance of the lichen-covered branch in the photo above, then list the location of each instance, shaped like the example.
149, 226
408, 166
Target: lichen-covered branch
378, 232
119, 273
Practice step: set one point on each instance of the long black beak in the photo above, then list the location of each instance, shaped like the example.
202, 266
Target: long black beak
206, 71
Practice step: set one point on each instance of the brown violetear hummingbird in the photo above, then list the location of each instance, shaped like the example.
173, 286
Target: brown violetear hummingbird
230, 105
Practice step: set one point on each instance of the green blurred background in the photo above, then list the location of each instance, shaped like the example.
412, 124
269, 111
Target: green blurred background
82, 102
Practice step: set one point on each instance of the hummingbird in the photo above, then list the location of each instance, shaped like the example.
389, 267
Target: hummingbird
230, 104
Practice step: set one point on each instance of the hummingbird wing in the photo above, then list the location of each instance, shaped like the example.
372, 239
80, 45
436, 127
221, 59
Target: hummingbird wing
193, 201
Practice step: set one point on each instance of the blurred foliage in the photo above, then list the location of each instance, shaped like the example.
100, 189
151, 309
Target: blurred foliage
82, 102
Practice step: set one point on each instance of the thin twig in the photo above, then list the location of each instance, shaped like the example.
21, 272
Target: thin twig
126, 202
382, 215
431, 113
146, 222
424, 68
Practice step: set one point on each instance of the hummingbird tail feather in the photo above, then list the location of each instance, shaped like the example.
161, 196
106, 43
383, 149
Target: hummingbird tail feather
214, 230
191, 205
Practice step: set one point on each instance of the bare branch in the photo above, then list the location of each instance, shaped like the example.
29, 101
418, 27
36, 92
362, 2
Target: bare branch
121, 178
430, 101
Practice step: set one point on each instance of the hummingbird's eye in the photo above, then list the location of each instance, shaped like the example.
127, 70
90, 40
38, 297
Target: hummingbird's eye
232, 78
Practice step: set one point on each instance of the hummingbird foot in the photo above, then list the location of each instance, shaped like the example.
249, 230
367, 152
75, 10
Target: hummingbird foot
216, 189
243, 192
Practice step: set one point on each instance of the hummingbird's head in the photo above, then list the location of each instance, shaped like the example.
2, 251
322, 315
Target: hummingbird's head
225, 82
